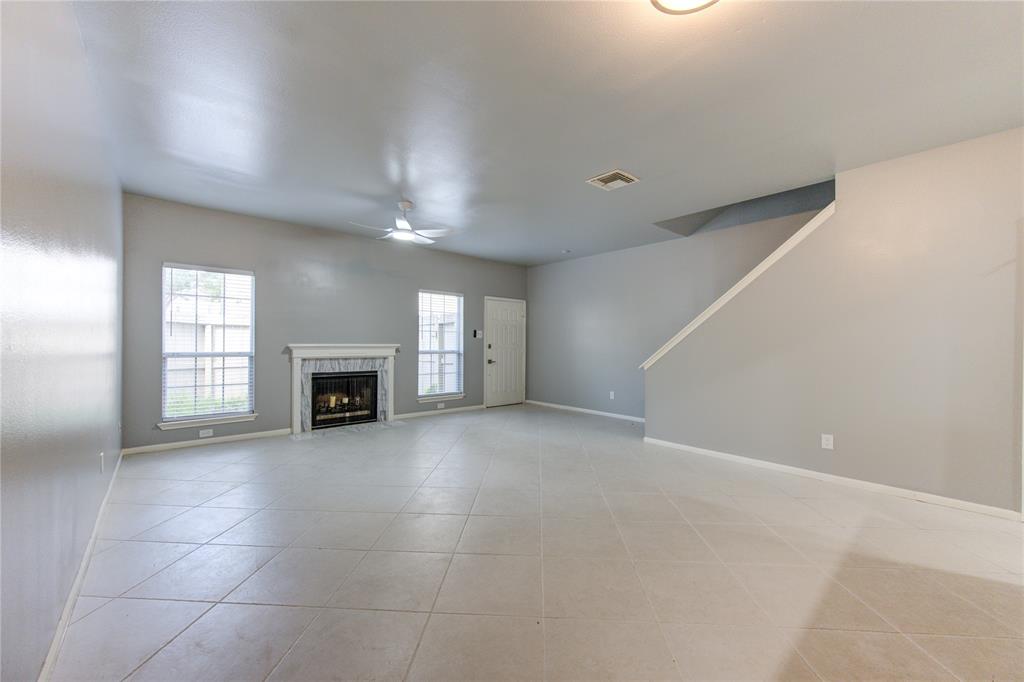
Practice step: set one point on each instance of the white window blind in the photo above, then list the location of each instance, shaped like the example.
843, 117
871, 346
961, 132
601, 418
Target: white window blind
207, 342
440, 344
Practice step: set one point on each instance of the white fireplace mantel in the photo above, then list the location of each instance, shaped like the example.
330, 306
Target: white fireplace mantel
312, 351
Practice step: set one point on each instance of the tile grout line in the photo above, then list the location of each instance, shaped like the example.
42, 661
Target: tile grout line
896, 629
211, 606
451, 559
197, 546
135, 538
384, 531
540, 520
319, 615
291, 646
1010, 638
553, 618
984, 610
576, 426
629, 553
742, 585
171, 639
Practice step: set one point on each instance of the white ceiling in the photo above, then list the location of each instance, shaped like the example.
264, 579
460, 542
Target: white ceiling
491, 115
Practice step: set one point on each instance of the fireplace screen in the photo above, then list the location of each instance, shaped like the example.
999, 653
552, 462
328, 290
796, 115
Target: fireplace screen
343, 398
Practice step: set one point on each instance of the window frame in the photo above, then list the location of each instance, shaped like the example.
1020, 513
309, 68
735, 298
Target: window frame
205, 419
452, 395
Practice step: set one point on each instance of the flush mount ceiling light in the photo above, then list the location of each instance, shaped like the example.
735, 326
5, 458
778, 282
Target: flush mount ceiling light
682, 6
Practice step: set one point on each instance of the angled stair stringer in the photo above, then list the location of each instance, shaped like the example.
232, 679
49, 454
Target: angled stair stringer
813, 224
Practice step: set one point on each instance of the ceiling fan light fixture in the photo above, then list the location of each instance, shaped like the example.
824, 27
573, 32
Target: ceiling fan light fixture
682, 6
403, 235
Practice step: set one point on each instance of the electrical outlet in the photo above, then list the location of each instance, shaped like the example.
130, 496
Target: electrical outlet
826, 441
205, 433
440, 406
611, 395
102, 467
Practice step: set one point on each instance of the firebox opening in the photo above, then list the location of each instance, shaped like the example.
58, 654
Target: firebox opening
342, 398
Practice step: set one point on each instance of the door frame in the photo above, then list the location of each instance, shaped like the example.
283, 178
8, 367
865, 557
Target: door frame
516, 300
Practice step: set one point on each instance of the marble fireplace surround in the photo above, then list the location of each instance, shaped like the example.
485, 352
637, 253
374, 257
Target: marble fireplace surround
308, 358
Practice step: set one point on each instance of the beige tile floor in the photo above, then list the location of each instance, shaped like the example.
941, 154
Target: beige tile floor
530, 543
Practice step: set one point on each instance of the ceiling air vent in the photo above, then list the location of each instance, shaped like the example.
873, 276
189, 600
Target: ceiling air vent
612, 180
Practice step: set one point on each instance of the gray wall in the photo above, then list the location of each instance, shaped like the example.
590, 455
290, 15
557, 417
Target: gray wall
893, 326
592, 321
61, 280
312, 286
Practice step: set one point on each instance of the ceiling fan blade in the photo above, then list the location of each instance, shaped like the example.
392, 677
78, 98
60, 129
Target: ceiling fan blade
371, 227
420, 239
439, 232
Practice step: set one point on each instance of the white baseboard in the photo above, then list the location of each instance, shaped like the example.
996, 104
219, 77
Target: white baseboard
613, 415
158, 447
853, 482
76, 585
447, 410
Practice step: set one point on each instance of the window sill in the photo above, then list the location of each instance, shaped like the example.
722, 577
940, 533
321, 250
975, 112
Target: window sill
438, 398
208, 421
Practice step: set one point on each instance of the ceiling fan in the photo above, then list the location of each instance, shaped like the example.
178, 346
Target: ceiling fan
403, 230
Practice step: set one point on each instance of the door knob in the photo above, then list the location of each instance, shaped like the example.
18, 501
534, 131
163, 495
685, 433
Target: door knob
489, 361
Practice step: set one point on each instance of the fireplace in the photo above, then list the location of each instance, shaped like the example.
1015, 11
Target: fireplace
340, 398
308, 359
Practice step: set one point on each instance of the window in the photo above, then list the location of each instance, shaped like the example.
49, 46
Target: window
207, 342
440, 359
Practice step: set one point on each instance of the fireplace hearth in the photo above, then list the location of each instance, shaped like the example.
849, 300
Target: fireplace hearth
342, 398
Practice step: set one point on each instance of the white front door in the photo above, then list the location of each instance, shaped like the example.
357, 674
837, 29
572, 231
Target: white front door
504, 351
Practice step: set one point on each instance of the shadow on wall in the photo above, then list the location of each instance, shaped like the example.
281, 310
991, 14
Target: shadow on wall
800, 200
